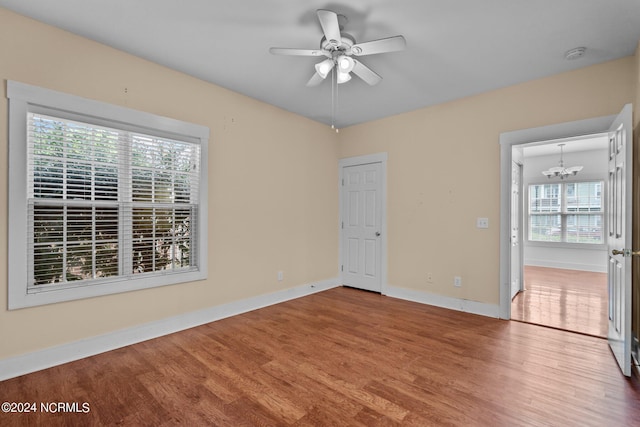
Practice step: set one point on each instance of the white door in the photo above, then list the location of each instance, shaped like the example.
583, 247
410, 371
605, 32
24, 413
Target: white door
362, 226
619, 238
516, 219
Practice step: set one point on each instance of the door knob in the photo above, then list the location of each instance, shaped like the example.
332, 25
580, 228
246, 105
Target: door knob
377, 234
625, 252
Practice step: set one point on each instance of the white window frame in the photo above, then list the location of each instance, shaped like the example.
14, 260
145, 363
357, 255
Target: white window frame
23, 99
564, 214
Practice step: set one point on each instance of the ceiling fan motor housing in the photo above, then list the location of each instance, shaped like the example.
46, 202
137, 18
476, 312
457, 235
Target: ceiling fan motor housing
333, 49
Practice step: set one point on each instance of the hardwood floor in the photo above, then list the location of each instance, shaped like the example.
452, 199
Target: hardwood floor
342, 357
565, 299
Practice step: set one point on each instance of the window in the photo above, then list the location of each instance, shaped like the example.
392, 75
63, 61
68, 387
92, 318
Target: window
566, 212
103, 199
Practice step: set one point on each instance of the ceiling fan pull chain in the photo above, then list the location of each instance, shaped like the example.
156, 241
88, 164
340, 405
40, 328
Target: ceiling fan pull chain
335, 106
333, 97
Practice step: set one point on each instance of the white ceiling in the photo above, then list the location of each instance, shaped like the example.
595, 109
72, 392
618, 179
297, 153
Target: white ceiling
455, 48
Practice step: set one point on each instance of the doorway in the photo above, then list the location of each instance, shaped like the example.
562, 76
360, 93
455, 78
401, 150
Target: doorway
363, 234
619, 231
562, 235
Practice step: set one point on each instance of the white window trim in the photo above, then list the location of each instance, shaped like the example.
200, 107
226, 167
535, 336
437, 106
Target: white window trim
24, 98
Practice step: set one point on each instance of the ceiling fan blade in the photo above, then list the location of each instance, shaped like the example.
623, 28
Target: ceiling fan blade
390, 44
365, 73
295, 52
330, 26
315, 80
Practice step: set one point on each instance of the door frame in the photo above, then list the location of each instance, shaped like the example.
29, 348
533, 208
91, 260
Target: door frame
357, 161
525, 136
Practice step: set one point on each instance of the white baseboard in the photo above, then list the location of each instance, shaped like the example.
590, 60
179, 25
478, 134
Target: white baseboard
468, 306
47, 358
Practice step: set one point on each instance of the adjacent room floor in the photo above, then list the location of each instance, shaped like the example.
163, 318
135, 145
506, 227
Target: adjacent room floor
564, 299
341, 357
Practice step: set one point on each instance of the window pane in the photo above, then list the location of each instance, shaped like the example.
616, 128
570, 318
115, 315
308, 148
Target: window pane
584, 229
106, 183
79, 261
584, 197
182, 252
47, 224
162, 187
47, 264
47, 178
545, 198
142, 185
106, 241
164, 171
79, 180
545, 228
48, 251
162, 238
143, 236
107, 259
182, 233
143, 256
72, 160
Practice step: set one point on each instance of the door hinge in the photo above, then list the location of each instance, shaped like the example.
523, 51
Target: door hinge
343, 182
342, 268
342, 224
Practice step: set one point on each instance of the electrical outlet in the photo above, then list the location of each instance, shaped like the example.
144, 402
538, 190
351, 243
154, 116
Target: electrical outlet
457, 281
280, 276
482, 223
429, 278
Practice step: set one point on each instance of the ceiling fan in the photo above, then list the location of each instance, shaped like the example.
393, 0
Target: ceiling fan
339, 49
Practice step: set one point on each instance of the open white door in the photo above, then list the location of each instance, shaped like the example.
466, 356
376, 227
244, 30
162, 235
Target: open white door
516, 219
619, 198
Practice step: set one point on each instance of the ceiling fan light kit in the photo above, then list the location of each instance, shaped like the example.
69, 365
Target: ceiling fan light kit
345, 63
323, 68
343, 77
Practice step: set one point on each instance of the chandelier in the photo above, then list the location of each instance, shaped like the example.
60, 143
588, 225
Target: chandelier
561, 171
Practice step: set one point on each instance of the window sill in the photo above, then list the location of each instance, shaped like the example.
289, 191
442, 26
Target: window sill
565, 245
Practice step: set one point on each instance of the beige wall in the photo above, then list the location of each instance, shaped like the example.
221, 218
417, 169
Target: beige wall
444, 172
271, 204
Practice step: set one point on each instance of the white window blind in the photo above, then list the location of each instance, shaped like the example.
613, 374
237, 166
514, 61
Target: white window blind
105, 202
102, 198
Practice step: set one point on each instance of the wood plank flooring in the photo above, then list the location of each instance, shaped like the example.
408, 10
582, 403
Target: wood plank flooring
565, 299
342, 357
